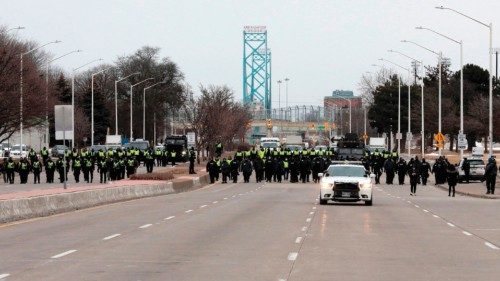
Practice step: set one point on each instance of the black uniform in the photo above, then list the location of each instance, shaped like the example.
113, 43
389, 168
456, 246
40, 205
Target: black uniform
246, 168
50, 168
212, 170
36, 167
413, 173
466, 168
425, 168
490, 175
389, 171
234, 170
452, 178
192, 158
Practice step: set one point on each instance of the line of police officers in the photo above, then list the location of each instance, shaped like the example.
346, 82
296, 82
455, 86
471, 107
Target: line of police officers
113, 164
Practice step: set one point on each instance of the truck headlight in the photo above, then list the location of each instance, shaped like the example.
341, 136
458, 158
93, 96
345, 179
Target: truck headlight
326, 185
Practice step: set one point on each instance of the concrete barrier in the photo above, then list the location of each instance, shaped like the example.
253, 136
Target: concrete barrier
39, 206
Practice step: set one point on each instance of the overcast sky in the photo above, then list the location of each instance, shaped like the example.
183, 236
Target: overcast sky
319, 45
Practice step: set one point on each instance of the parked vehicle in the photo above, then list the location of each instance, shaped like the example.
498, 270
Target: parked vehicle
58, 150
476, 169
16, 152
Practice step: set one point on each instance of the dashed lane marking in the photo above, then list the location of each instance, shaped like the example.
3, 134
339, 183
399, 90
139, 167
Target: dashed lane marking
314, 208
425, 210
436, 216
225, 198
311, 213
215, 202
63, 254
169, 218
5, 275
491, 245
188, 211
450, 224
417, 206
202, 206
298, 240
145, 226
111, 236
466, 233
304, 228
292, 256
308, 220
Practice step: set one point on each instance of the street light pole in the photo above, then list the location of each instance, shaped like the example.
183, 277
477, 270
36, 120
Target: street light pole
116, 98
440, 64
47, 70
490, 56
21, 87
144, 110
399, 105
461, 79
73, 99
131, 106
92, 103
286, 94
279, 96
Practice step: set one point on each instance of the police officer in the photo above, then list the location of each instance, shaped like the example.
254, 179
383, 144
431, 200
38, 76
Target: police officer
102, 168
77, 167
247, 169
401, 169
60, 164
36, 167
212, 169
88, 170
425, 168
466, 168
149, 160
10, 169
50, 168
414, 177
389, 170
131, 166
24, 170
490, 175
44, 152
192, 158
235, 165
225, 167
452, 179
173, 156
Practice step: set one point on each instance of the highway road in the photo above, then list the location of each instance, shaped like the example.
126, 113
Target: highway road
260, 231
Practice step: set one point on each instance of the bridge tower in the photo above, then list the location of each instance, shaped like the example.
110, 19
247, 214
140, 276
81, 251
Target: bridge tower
256, 68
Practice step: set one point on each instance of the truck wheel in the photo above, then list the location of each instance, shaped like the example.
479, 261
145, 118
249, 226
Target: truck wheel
369, 203
322, 201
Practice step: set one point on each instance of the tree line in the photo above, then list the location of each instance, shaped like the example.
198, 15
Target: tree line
381, 91
214, 108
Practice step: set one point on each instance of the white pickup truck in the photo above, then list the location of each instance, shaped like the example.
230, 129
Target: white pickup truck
346, 182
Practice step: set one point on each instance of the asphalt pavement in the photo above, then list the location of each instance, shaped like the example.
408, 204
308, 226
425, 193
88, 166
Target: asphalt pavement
260, 231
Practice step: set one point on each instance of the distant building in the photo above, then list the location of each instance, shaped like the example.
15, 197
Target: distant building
339, 99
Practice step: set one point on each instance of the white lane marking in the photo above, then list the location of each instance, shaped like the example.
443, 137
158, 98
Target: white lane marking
169, 218
215, 202
408, 202
111, 236
450, 224
298, 240
398, 197
304, 228
292, 256
5, 275
241, 194
202, 206
63, 254
417, 206
188, 211
225, 198
425, 211
145, 226
466, 233
314, 208
251, 191
233, 196
308, 220
491, 245
436, 216
311, 213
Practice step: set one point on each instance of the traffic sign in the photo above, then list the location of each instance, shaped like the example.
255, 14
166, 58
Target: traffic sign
399, 136
439, 137
409, 136
321, 127
462, 141
365, 136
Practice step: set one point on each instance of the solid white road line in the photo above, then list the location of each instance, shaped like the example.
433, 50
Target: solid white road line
188, 211
466, 233
5, 275
202, 206
169, 218
111, 236
491, 245
292, 256
145, 226
450, 224
63, 254
298, 240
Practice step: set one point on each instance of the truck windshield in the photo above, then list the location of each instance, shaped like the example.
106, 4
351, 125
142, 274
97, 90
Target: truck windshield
269, 144
346, 171
175, 141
